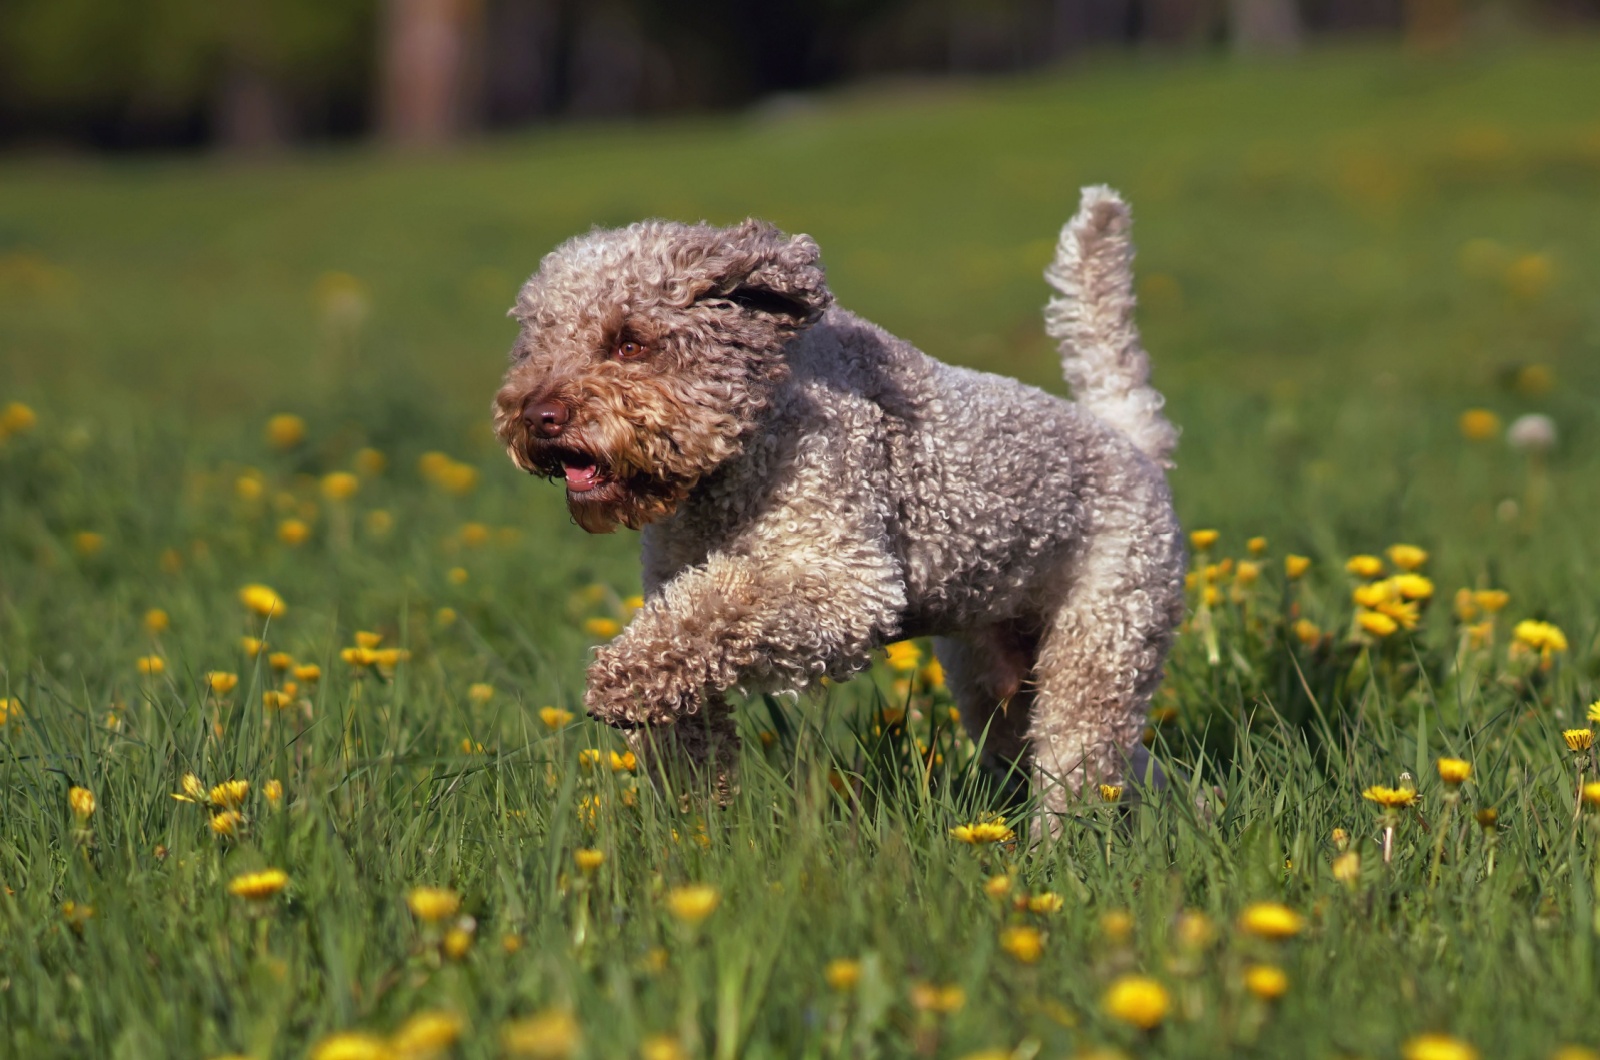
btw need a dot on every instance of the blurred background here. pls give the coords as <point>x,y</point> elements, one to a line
<point>258,75</point>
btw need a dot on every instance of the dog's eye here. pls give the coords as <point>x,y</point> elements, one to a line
<point>629,350</point>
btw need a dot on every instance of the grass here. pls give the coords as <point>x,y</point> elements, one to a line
<point>1339,257</point>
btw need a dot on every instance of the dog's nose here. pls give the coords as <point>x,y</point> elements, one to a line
<point>546,418</point>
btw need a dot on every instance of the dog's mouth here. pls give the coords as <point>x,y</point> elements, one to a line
<point>582,471</point>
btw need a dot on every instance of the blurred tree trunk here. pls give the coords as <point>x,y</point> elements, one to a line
<point>427,95</point>
<point>1264,27</point>
<point>1432,24</point>
<point>252,115</point>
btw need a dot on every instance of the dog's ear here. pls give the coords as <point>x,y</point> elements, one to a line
<point>763,271</point>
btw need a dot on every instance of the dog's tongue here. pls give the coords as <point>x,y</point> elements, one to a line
<point>581,478</point>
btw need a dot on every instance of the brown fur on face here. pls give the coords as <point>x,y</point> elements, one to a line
<point>712,308</point>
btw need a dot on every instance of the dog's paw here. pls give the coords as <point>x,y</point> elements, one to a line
<point>627,695</point>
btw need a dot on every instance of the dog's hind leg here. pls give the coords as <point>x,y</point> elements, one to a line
<point>1102,653</point>
<point>989,674</point>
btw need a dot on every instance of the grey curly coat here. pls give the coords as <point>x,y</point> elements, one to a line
<point>810,488</point>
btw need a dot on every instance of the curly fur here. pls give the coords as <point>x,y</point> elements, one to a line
<point>811,487</point>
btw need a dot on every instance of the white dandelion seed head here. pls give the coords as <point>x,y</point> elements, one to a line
<point>1534,432</point>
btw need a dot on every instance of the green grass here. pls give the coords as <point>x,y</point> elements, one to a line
<point>1338,258</point>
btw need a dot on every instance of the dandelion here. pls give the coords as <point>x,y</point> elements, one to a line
<point>252,646</point>
<point>1589,794</point>
<point>16,418</point>
<point>1346,867</point>
<point>627,762</point>
<point>1271,920</point>
<point>1026,944</point>
<point>1138,1000</point>
<point>156,621</point>
<point>427,1033</point>
<point>1542,637</point>
<point>1266,981</point>
<point>1045,902</point>
<point>903,656</point>
<point>1578,740</point>
<point>550,1035</point>
<point>1306,632</point>
<point>309,674</point>
<point>293,532</point>
<point>842,974</point>
<point>474,535</point>
<point>1390,798</point>
<point>942,1000</point>
<point>276,700</point>
<point>589,757</point>
<point>1117,925</point>
<point>693,903</point>
<point>481,692</point>
<point>285,431</point>
<point>87,543</point>
<point>997,887</point>
<point>1364,566</point>
<point>662,1047</point>
<point>76,915</point>
<point>272,791</point>
<point>352,1045</point>
<point>1594,711</point>
<point>370,462</point>
<point>263,601</point>
<point>220,683</point>
<point>227,824</point>
<point>1534,433</point>
<point>1247,573</point>
<point>1257,546</point>
<point>433,904</point>
<point>1479,425</point>
<point>258,886</point>
<point>378,522</point>
<point>980,832</point>
<point>554,718</point>
<point>151,665</point>
<point>588,860</point>
<point>10,710</point>
<point>1407,557</point>
<point>1295,567</point>
<point>1110,792</point>
<point>339,486</point>
<point>1454,771</point>
<point>1377,623</point>
<point>1488,818</point>
<point>1202,540</point>
<point>249,487</point>
<point>194,789</point>
<point>458,576</point>
<point>81,802</point>
<point>604,628</point>
<point>1412,586</point>
<point>1491,600</point>
<point>457,941</point>
<point>1437,1047</point>
<point>230,794</point>
<point>511,942</point>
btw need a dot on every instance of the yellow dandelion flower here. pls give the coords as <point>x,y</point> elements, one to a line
<point>589,757</point>
<point>1347,867</point>
<point>481,692</point>
<point>457,575</point>
<point>1578,740</point>
<point>427,1033</point>
<point>1407,557</point>
<point>1026,944</point>
<point>554,718</point>
<point>588,860</point>
<point>1045,902</point>
<point>276,699</point>
<point>81,802</point>
<point>258,886</point>
<point>1454,771</point>
<point>252,646</point>
<point>1138,1000</point>
<point>194,789</point>
<point>293,532</point>
<point>1295,567</point>
<point>150,665</point>
<point>457,941</point>
<point>1271,920</point>
<point>280,661</point>
<point>226,824</point>
<point>511,942</point>
<point>842,974</point>
<point>1247,573</point>
<point>604,628</point>
<point>263,601</point>
<point>1413,586</point>
<point>230,794</point>
<point>1110,792</point>
<point>378,522</point>
<point>627,762</point>
<point>1374,594</point>
<point>1364,566</point>
<point>903,656</point>
<point>997,886</point>
<point>1117,926</point>
<point>87,543</point>
<point>1540,636</point>
<point>352,1045</point>
<point>221,683</point>
<point>272,791</point>
<point>980,832</point>
<point>1377,623</point>
<point>309,674</point>
<point>1194,930</point>
<point>931,997</point>
<point>1479,425</point>
<point>550,1035</point>
<point>459,479</point>
<point>1202,540</point>
<point>156,621</point>
<point>249,487</point>
<point>76,915</point>
<point>474,535</point>
<point>1591,793</point>
<point>1437,1047</point>
<point>1487,818</point>
<point>370,462</point>
<point>662,1047</point>
<point>10,710</point>
<point>433,904</point>
<point>1390,798</point>
<point>1266,981</point>
<point>1594,711</point>
<point>340,485</point>
<point>933,674</point>
<point>285,430</point>
<point>693,903</point>
<point>16,418</point>
<point>1257,546</point>
<point>1491,600</point>
<point>1306,632</point>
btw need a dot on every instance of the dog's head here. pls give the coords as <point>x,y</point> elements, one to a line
<point>646,357</point>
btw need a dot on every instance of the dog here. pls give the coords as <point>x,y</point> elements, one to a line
<point>810,488</point>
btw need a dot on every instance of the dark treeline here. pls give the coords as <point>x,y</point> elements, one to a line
<point>256,74</point>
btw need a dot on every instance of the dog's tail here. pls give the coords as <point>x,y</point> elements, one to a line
<point>1092,322</point>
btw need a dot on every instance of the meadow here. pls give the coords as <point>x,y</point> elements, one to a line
<point>292,755</point>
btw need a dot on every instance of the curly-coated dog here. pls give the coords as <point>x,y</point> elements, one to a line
<point>811,487</point>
